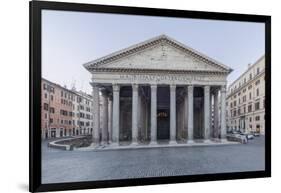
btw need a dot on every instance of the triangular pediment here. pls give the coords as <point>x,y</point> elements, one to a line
<point>160,53</point>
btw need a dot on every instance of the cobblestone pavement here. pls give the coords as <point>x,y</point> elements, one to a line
<point>73,166</point>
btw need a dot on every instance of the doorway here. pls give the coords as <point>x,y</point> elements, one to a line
<point>163,124</point>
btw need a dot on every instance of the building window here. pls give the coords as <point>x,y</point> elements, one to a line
<point>249,87</point>
<point>250,119</point>
<point>44,86</point>
<point>257,118</point>
<point>257,105</point>
<point>52,97</point>
<point>257,82</point>
<point>46,106</point>
<point>257,92</point>
<point>244,98</point>
<point>250,77</point>
<point>63,112</point>
<point>51,120</point>
<point>45,95</point>
<point>52,110</point>
<point>258,70</point>
<point>82,115</point>
<point>250,95</point>
<point>249,108</point>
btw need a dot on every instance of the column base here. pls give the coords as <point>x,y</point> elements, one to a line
<point>134,143</point>
<point>153,143</point>
<point>114,144</point>
<point>104,143</point>
<point>207,141</point>
<point>173,142</point>
<point>94,145</point>
<point>190,141</point>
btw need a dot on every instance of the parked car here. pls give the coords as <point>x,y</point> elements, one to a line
<point>237,137</point>
<point>256,134</point>
<point>248,135</point>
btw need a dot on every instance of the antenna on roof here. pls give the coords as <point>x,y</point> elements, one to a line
<point>82,85</point>
<point>64,85</point>
<point>73,85</point>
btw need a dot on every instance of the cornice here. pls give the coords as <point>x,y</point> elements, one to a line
<point>139,70</point>
<point>245,85</point>
<point>250,68</point>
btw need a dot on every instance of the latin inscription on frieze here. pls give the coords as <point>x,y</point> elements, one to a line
<point>159,78</point>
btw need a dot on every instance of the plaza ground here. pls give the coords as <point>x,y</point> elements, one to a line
<point>74,166</point>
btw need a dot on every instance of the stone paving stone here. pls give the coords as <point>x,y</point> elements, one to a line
<point>74,166</point>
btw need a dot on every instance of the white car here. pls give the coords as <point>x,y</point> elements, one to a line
<point>248,135</point>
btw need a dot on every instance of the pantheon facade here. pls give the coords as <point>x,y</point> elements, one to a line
<point>159,90</point>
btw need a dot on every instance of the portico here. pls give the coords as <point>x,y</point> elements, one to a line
<point>158,90</point>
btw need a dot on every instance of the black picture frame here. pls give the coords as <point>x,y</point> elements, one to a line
<point>36,7</point>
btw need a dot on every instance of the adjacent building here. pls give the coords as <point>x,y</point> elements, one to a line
<point>64,112</point>
<point>246,100</point>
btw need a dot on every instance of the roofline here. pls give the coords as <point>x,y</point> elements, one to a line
<point>160,37</point>
<point>259,59</point>
<point>69,90</point>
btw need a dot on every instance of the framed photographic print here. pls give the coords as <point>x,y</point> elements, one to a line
<point>126,96</point>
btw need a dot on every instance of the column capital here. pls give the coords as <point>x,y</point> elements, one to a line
<point>135,87</point>
<point>190,88</point>
<point>153,87</point>
<point>104,91</point>
<point>116,87</point>
<point>173,87</point>
<point>223,88</point>
<point>207,89</point>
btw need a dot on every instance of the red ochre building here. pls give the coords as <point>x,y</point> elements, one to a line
<point>64,112</point>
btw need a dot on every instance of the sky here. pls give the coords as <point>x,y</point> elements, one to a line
<point>70,39</point>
